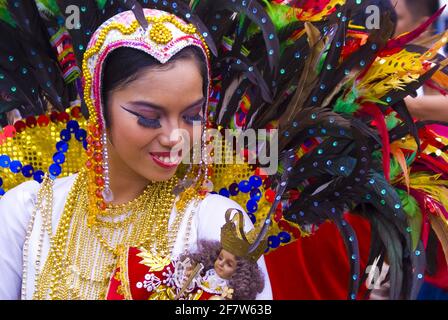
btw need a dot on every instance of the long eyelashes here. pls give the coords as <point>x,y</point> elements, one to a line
<point>155,123</point>
<point>191,119</point>
<point>145,122</point>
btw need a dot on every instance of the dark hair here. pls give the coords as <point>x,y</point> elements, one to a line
<point>247,280</point>
<point>125,65</point>
<point>422,8</point>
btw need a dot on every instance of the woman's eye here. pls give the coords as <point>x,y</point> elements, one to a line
<point>149,123</point>
<point>143,121</point>
<point>192,118</point>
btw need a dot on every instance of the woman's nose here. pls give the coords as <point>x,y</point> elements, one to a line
<point>171,135</point>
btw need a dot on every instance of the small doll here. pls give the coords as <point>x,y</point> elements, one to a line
<point>218,270</point>
<point>231,272</point>
<point>226,275</point>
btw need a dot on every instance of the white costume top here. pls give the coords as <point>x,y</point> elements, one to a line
<point>16,208</point>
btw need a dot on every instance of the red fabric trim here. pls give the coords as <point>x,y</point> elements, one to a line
<point>317,267</point>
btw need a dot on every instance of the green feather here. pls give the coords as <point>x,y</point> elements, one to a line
<point>5,15</point>
<point>50,7</point>
<point>395,169</point>
<point>280,15</point>
<point>377,155</point>
<point>392,121</point>
<point>101,4</point>
<point>194,4</point>
<point>414,216</point>
<point>347,104</point>
<point>321,63</point>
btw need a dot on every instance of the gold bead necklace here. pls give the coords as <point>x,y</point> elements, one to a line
<point>82,258</point>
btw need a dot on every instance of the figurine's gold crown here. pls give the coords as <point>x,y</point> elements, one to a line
<point>236,241</point>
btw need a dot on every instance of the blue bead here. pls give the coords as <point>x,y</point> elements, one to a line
<point>273,242</point>
<point>244,186</point>
<point>255,194</point>
<point>66,135</point>
<point>252,217</point>
<point>4,161</point>
<point>224,192</point>
<point>284,237</point>
<point>72,126</point>
<point>15,166</point>
<point>251,206</point>
<point>233,189</point>
<point>2,192</point>
<point>59,158</point>
<point>39,176</point>
<point>1,182</point>
<point>255,181</point>
<point>28,171</point>
<point>55,169</point>
<point>62,146</point>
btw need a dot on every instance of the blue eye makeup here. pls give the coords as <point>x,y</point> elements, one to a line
<point>145,122</point>
<point>191,119</point>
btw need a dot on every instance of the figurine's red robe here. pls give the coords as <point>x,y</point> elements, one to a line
<point>135,277</point>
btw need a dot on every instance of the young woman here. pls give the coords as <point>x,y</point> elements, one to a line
<point>63,239</point>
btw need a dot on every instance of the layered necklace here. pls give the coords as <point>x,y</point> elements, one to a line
<point>82,258</point>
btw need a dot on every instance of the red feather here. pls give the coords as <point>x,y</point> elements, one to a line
<point>379,121</point>
<point>406,38</point>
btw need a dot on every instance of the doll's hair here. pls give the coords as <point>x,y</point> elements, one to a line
<point>247,279</point>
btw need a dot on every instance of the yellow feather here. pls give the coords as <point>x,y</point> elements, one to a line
<point>399,155</point>
<point>431,185</point>
<point>390,73</point>
<point>440,78</point>
<point>431,53</point>
<point>440,226</point>
<point>309,16</point>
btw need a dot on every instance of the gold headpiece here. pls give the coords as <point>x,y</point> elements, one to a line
<point>236,241</point>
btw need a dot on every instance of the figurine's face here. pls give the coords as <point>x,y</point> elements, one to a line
<point>225,265</point>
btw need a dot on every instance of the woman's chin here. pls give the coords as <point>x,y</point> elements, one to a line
<point>160,176</point>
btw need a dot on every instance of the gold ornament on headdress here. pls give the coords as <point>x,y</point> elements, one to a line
<point>160,34</point>
<point>236,241</point>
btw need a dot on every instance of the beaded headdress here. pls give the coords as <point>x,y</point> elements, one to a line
<point>162,38</point>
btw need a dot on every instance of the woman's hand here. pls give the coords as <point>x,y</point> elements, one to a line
<point>428,107</point>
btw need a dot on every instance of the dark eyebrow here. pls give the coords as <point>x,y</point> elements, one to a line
<point>147,104</point>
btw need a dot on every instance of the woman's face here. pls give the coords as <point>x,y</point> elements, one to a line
<point>144,114</point>
<point>225,265</point>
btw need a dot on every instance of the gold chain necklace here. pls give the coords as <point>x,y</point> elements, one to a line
<point>81,258</point>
